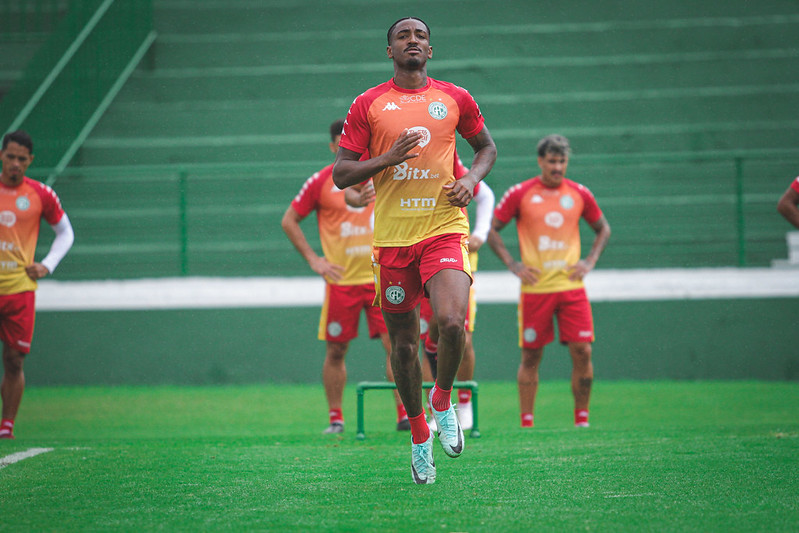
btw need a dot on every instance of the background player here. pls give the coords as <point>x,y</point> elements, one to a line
<point>23,203</point>
<point>788,206</point>
<point>408,126</point>
<point>484,201</point>
<point>548,209</point>
<point>346,236</point>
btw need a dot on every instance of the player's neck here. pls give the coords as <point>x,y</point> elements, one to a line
<point>410,79</point>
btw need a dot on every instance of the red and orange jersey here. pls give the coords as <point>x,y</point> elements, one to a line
<point>346,232</point>
<point>21,210</point>
<point>411,204</point>
<point>548,224</point>
<point>795,185</point>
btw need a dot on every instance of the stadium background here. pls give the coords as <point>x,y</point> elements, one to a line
<point>176,132</point>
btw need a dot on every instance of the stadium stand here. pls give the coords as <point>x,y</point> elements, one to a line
<point>681,116</point>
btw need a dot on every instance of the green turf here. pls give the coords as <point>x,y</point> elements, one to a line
<point>659,456</point>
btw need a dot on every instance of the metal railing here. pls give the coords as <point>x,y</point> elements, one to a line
<point>84,62</point>
<point>155,221</point>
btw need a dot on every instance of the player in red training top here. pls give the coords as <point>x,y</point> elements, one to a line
<point>23,203</point>
<point>346,236</point>
<point>547,210</point>
<point>408,125</point>
<point>788,206</point>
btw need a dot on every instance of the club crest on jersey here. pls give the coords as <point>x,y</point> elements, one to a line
<point>395,294</point>
<point>437,110</point>
<point>425,134</point>
<point>23,203</point>
<point>566,201</point>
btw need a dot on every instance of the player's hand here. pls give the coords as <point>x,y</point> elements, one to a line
<point>459,192</point>
<point>366,195</point>
<point>579,270</point>
<point>401,149</point>
<point>527,274</point>
<point>475,242</point>
<point>36,271</point>
<point>328,270</point>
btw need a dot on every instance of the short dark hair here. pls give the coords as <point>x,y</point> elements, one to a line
<point>388,35</point>
<point>336,128</point>
<point>554,144</point>
<point>20,137</point>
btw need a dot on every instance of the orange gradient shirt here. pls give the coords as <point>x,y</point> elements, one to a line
<point>345,232</point>
<point>411,204</point>
<point>548,224</point>
<point>21,209</point>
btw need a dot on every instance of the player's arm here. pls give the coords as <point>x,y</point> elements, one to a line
<point>460,192</point>
<point>349,170</point>
<point>484,200</point>
<point>320,265</point>
<point>788,206</point>
<point>581,268</point>
<point>64,237</point>
<point>526,273</point>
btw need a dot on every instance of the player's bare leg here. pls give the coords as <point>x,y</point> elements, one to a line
<point>449,299</point>
<point>334,379</point>
<point>527,379</point>
<point>11,388</point>
<point>582,380</point>
<point>402,416</point>
<point>403,331</point>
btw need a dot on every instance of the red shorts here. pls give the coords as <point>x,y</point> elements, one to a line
<point>426,314</point>
<point>341,312</point>
<point>401,272</point>
<point>17,315</point>
<point>575,321</point>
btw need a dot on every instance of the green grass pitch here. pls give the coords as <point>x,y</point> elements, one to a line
<point>659,456</point>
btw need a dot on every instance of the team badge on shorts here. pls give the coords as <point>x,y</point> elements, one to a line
<point>334,329</point>
<point>395,294</point>
<point>529,335</point>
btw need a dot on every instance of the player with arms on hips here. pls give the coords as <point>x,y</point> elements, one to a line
<point>547,210</point>
<point>788,205</point>
<point>346,236</point>
<point>408,125</point>
<point>23,203</point>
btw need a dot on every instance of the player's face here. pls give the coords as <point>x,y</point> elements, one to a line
<point>16,159</point>
<point>410,44</point>
<point>334,144</point>
<point>553,168</point>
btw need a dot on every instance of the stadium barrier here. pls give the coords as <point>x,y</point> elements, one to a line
<point>363,386</point>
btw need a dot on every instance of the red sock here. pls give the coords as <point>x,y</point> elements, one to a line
<point>464,395</point>
<point>581,416</point>
<point>336,416</point>
<point>401,413</point>
<point>527,420</point>
<point>441,398</point>
<point>430,346</point>
<point>420,431</point>
<point>7,427</point>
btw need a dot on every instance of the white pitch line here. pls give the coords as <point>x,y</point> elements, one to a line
<point>19,456</point>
